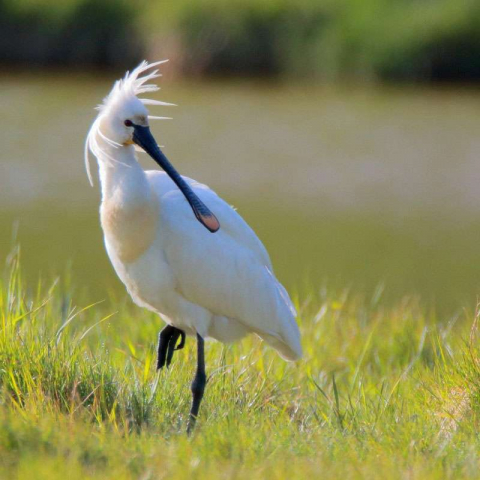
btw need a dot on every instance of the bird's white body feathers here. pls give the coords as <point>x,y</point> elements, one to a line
<point>219,285</point>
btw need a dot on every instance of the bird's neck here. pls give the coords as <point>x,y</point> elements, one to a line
<point>129,210</point>
<point>121,176</point>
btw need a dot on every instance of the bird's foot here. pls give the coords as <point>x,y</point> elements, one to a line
<point>166,345</point>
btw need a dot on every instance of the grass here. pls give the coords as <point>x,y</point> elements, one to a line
<point>381,393</point>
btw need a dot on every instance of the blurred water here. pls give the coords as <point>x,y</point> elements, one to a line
<point>348,187</point>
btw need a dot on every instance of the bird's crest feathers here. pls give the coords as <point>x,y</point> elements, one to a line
<point>134,84</point>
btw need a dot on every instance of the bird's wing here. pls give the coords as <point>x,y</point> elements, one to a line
<point>228,272</point>
<point>232,221</point>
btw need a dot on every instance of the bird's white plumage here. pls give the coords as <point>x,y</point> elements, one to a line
<point>220,285</point>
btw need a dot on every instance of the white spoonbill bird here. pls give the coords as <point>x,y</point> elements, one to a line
<point>181,250</point>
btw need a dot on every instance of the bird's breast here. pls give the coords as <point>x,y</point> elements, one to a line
<point>129,230</point>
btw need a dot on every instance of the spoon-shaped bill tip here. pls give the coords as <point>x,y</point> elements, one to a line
<point>209,221</point>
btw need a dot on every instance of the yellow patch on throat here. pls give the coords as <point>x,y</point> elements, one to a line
<point>130,231</point>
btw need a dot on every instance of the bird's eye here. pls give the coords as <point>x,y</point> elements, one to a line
<point>128,123</point>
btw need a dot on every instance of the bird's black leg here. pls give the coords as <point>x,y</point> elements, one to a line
<point>171,345</point>
<point>198,384</point>
<point>166,345</point>
<point>163,341</point>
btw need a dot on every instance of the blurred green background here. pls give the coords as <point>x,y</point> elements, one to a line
<point>365,40</point>
<point>345,132</point>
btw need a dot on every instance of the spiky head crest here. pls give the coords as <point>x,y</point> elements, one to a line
<point>132,85</point>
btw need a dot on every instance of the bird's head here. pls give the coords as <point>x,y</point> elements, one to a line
<point>123,121</point>
<point>118,124</point>
<point>122,111</point>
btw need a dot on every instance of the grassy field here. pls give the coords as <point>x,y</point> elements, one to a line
<point>381,393</point>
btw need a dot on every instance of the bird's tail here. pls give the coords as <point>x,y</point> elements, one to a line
<point>286,350</point>
<point>287,339</point>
